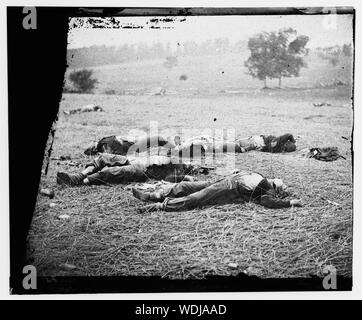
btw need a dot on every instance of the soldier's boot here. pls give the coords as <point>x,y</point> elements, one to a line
<point>70,179</point>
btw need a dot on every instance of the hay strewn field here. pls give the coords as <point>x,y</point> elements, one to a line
<point>104,234</point>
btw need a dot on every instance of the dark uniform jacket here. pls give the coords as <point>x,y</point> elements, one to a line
<point>256,188</point>
<point>118,145</point>
<point>277,144</point>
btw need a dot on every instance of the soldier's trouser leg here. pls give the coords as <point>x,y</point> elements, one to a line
<point>107,160</point>
<point>174,191</point>
<point>184,188</point>
<point>113,175</point>
<point>223,147</point>
<point>209,195</point>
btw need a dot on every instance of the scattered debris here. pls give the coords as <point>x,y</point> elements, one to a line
<point>64,216</point>
<point>87,108</point>
<point>335,236</point>
<point>330,202</point>
<point>73,164</point>
<point>322,104</point>
<point>233,265</point>
<point>251,271</point>
<point>324,154</point>
<point>161,93</point>
<point>62,158</point>
<point>313,116</point>
<point>334,203</point>
<point>67,266</point>
<point>47,192</point>
<point>338,82</point>
<point>52,205</point>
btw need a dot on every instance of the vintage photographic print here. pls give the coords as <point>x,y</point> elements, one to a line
<point>194,146</point>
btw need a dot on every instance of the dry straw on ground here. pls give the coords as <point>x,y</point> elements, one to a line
<point>106,236</point>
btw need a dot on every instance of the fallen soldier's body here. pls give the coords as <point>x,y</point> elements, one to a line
<point>118,145</point>
<point>208,144</point>
<point>192,147</point>
<point>273,144</point>
<point>114,169</point>
<point>87,108</point>
<point>204,144</point>
<point>242,186</point>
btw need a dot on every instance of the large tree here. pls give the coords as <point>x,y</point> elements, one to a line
<point>276,55</point>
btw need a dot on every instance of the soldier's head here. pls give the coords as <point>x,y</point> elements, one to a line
<point>279,187</point>
<point>289,146</point>
<point>92,149</point>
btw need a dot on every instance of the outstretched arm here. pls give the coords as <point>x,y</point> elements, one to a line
<point>269,201</point>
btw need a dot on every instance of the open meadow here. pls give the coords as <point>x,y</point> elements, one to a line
<point>104,234</point>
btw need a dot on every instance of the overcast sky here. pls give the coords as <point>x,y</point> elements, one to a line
<point>322,30</point>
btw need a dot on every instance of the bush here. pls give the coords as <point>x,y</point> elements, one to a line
<point>110,92</point>
<point>83,81</point>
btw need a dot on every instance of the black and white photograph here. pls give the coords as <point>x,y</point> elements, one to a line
<point>191,146</point>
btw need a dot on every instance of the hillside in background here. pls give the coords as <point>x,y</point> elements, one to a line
<point>105,55</point>
<point>209,74</point>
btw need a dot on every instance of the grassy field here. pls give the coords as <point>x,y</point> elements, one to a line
<point>104,234</point>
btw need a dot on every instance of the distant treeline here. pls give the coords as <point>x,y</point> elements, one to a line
<point>103,55</point>
<point>335,53</point>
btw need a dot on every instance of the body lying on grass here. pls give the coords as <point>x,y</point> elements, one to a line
<point>118,145</point>
<point>87,108</point>
<point>193,146</point>
<point>208,144</point>
<point>112,169</point>
<point>245,186</point>
<point>273,144</point>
